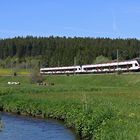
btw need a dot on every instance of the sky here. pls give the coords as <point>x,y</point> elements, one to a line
<point>70,18</point>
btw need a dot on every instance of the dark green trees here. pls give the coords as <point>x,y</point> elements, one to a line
<point>61,51</point>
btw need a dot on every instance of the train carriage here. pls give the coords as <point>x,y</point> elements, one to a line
<point>61,70</point>
<point>124,66</point>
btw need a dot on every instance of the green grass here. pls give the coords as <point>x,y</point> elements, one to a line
<point>4,72</point>
<point>101,107</point>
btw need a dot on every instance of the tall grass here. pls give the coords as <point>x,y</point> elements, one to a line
<point>102,107</point>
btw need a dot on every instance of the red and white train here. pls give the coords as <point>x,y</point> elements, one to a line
<point>124,66</point>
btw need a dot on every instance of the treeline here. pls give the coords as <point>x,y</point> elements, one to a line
<point>62,51</point>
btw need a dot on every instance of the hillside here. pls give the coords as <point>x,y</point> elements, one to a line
<point>61,51</point>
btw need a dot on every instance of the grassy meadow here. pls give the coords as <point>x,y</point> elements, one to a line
<point>99,107</point>
<point>5,72</point>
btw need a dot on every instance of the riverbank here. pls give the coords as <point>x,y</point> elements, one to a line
<point>96,106</point>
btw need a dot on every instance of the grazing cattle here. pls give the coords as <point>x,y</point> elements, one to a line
<point>43,84</point>
<point>13,83</point>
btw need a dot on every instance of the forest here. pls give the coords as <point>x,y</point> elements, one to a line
<point>64,51</point>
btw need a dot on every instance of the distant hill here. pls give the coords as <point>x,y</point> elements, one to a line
<point>62,51</point>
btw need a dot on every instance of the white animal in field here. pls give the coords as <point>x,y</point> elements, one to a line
<point>13,83</point>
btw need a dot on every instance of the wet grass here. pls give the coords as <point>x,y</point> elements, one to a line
<point>102,107</point>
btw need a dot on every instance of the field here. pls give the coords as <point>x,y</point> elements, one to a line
<point>4,72</point>
<point>100,107</point>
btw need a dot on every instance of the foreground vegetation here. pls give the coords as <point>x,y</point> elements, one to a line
<point>101,107</point>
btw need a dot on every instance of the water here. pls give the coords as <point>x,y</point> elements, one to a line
<point>23,128</point>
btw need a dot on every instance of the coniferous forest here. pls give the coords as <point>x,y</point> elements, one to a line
<point>64,51</point>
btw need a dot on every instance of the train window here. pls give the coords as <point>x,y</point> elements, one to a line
<point>44,70</point>
<point>122,66</point>
<point>107,67</point>
<point>136,64</point>
<point>113,67</point>
<point>91,68</point>
<point>129,65</point>
<point>71,69</point>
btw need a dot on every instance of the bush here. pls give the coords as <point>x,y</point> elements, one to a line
<point>36,77</point>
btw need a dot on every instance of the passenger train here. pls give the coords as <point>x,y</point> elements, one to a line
<point>124,66</point>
